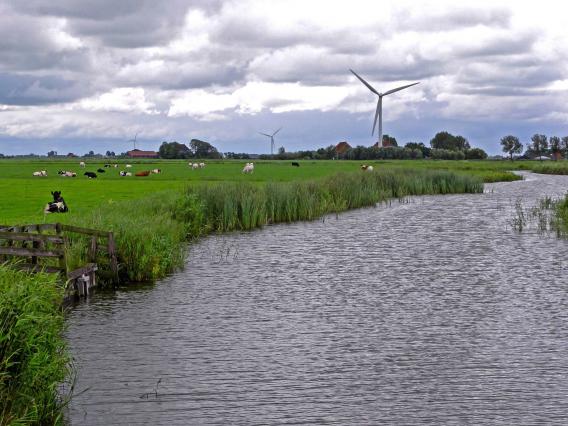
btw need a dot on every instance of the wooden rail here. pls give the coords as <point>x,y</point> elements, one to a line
<point>19,238</point>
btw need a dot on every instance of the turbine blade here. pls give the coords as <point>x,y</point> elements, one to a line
<point>273,134</point>
<point>371,88</point>
<point>399,88</point>
<point>376,116</point>
<point>265,134</point>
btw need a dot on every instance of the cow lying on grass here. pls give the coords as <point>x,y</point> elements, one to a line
<point>42,173</point>
<point>143,173</point>
<point>57,205</point>
<point>123,173</point>
<point>366,168</point>
<point>65,173</point>
<point>90,175</point>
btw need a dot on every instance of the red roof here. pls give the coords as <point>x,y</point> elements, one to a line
<point>142,154</point>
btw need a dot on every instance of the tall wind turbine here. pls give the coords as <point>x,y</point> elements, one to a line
<point>134,140</point>
<point>271,139</point>
<point>379,111</point>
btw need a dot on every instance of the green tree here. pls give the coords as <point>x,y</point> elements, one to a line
<point>171,150</point>
<point>510,144</point>
<point>281,150</point>
<point>445,140</point>
<point>539,145</point>
<point>202,149</point>
<point>419,146</point>
<point>52,154</point>
<point>564,146</point>
<point>555,147</point>
<point>475,154</point>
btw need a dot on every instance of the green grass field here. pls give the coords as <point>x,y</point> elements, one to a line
<point>28,195</point>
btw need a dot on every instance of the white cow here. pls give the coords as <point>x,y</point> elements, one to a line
<point>201,165</point>
<point>82,164</point>
<point>128,166</point>
<point>249,168</point>
<point>194,166</point>
<point>42,173</point>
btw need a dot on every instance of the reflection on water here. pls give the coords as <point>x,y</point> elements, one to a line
<point>432,311</point>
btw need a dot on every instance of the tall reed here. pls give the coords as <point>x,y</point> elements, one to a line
<point>33,355</point>
<point>150,232</point>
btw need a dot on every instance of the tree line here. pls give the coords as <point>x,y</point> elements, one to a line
<point>539,145</point>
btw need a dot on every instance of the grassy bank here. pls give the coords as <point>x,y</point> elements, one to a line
<point>33,357</point>
<point>150,232</point>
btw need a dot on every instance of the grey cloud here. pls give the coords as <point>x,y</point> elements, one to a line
<point>31,90</point>
<point>434,20</point>
<point>125,23</point>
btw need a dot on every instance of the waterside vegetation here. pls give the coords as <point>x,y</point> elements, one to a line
<point>33,357</point>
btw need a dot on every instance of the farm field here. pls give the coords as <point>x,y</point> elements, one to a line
<point>29,194</point>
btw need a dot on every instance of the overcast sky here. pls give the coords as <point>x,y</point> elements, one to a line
<point>76,75</point>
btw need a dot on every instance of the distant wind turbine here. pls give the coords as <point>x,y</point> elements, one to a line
<point>134,140</point>
<point>271,139</point>
<point>379,111</point>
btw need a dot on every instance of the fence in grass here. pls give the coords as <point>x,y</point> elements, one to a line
<point>43,247</point>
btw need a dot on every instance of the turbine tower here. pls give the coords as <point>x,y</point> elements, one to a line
<point>271,139</point>
<point>379,111</point>
<point>134,140</point>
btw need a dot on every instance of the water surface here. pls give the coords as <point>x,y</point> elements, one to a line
<point>431,311</point>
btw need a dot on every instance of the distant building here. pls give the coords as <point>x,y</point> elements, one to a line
<point>342,148</point>
<point>136,153</point>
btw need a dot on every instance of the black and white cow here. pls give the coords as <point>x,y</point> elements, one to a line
<point>57,205</point>
<point>90,175</point>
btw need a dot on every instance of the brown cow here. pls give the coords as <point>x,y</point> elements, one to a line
<point>144,173</point>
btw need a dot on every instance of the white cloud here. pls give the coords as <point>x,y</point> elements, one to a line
<point>123,99</point>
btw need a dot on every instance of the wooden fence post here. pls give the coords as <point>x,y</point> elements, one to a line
<point>112,257</point>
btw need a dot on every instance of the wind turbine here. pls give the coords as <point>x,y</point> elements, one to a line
<point>379,111</point>
<point>134,140</point>
<point>271,139</point>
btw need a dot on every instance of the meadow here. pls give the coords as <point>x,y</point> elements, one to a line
<point>28,194</point>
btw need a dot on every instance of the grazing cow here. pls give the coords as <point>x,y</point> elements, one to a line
<point>57,205</point>
<point>201,165</point>
<point>90,175</point>
<point>190,164</point>
<point>295,164</point>
<point>194,166</point>
<point>82,164</point>
<point>101,171</point>
<point>143,173</point>
<point>115,166</point>
<point>128,166</point>
<point>107,165</point>
<point>42,173</point>
<point>249,168</point>
<point>157,171</point>
<point>366,168</point>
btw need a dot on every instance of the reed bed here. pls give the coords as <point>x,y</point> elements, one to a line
<point>33,355</point>
<point>548,215</point>
<point>150,233</point>
<point>554,168</point>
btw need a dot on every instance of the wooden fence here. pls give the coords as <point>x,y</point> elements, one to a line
<point>32,243</point>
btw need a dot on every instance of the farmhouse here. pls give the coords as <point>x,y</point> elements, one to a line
<point>136,153</point>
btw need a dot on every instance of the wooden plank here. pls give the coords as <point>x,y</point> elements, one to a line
<point>87,269</point>
<point>28,252</point>
<point>38,268</point>
<point>39,227</point>
<point>93,249</point>
<point>25,236</point>
<point>86,231</point>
